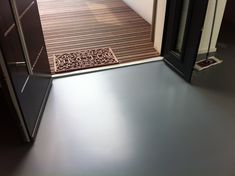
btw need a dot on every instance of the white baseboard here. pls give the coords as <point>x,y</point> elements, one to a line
<point>204,51</point>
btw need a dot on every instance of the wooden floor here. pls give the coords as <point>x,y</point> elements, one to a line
<point>70,25</point>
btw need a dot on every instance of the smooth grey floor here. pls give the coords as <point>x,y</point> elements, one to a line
<point>133,121</point>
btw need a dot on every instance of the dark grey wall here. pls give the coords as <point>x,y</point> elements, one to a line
<point>229,15</point>
<point>1,78</point>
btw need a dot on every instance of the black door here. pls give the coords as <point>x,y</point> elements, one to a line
<point>182,34</point>
<point>24,60</point>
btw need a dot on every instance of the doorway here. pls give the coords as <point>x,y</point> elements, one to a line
<point>219,77</point>
<point>74,25</point>
<point>23,51</point>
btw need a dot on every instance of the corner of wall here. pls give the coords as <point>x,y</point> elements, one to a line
<point>160,21</point>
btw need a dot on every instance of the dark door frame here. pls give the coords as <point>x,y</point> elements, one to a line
<point>15,102</point>
<point>183,63</point>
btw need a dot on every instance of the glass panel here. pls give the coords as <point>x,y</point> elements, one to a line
<point>30,89</point>
<point>11,47</point>
<point>33,38</point>
<point>216,36</point>
<point>15,59</point>
<point>182,25</point>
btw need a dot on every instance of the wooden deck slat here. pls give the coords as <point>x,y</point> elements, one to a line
<point>81,35</point>
<point>74,41</point>
<point>71,25</point>
<point>99,44</point>
<point>78,31</point>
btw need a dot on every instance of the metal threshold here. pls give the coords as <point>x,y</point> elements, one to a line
<point>79,72</point>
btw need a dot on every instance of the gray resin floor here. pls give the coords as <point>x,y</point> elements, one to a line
<point>114,123</point>
<point>135,121</point>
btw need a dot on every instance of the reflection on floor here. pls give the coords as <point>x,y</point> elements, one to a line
<point>83,24</point>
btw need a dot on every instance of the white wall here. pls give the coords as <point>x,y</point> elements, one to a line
<point>208,25</point>
<point>143,7</point>
<point>160,19</point>
<point>159,28</point>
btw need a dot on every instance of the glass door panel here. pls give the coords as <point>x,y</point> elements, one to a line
<point>183,28</point>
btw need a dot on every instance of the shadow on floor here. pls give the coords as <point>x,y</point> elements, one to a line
<point>12,148</point>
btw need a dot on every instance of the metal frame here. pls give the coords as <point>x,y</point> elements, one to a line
<point>183,63</point>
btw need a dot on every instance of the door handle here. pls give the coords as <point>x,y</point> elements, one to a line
<point>18,64</point>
